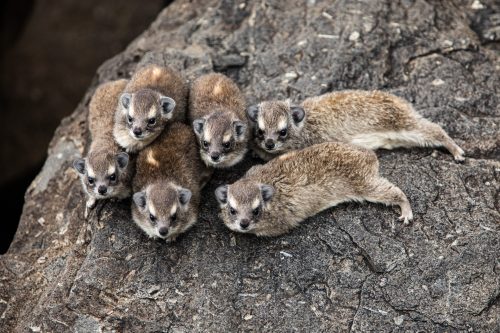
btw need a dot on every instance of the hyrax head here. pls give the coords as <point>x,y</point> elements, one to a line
<point>162,210</point>
<point>145,113</point>
<point>222,138</point>
<point>243,204</point>
<point>101,171</point>
<point>275,123</point>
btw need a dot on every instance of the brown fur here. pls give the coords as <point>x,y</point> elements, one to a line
<point>304,183</point>
<point>145,93</point>
<point>104,151</point>
<point>169,164</point>
<point>217,111</point>
<point>369,119</point>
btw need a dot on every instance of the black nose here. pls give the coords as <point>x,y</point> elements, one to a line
<point>215,156</point>
<point>163,231</point>
<point>102,189</point>
<point>244,224</point>
<point>137,131</point>
<point>270,144</point>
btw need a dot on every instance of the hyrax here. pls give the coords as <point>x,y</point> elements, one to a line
<point>167,184</point>
<point>217,112</point>
<point>154,97</point>
<point>275,197</point>
<point>105,172</point>
<point>369,119</point>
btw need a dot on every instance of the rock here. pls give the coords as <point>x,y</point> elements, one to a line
<point>353,267</point>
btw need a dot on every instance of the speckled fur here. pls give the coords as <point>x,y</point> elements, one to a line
<point>165,167</point>
<point>369,119</point>
<point>305,182</point>
<point>218,102</point>
<point>101,160</point>
<point>146,89</point>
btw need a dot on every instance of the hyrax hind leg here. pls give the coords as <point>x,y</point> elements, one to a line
<point>434,136</point>
<point>383,191</point>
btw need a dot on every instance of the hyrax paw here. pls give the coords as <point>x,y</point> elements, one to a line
<point>459,158</point>
<point>406,218</point>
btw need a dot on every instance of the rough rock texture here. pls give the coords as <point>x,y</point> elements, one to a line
<point>353,267</point>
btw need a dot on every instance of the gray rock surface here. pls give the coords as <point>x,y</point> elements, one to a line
<point>353,267</point>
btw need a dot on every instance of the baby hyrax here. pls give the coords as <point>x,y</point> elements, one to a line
<point>154,97</point>
<point>217,112</point>
<point>105,172</point>
<point>275,197</point>
<point>369,119</point>
<point>167,184</point>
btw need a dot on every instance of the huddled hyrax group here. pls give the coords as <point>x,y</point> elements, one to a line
<point>158,140</point>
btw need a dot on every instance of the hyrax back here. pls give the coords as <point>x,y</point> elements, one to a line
<point>275,197</point>
<point>217,112</point>
<point>154,97</point>
<point>105,172</point>
<point>369,119</point>
<point>167,184</point>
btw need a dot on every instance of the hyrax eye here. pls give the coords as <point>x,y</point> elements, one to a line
<point>205,143</point>
<point>112,177</point>
<point>256,211</point>
<point>91,180</point>
<point>232,211</point>
<point>226,145</point>
<point>283,132</point>
<point>173,217</point>
<point>260,132</point>
<point>151,121</point>
<point>129,119</point>
<point>152,218</point>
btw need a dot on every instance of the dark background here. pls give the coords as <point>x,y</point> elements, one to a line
<point>49,53</point>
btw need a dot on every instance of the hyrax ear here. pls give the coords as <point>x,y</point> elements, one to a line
<point>198,125</point>
<point>122,160</point>
<point>79,165</point>
<point>140,199</point>
<point>239,128</point>
<point>125,100</point>
<point>221,194</point>
<point>184,196</point>
<point>253,112</point>
<point>298,114</point>
<point>267,192</point>
<point>167,104</point>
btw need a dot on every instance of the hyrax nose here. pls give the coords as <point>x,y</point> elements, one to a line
<point>102,189</point>
<point>269,144</point>
<point>137,131</point>
<point>163,231</point>
<point>215,156</point>
<point>244,223</point>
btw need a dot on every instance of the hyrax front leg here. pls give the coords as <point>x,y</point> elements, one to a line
<point>383,191</point>
<point>434,136</point>
<point>90,204</point>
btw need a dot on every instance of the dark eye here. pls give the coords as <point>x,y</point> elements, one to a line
<point>112,177</point>
<point>91,180</point>
<point>173,217</point>
<point>260,132</point>
<point>226,145</point>
<point>232,211</point>
<point>283,132</point>
<point>152,121</point>
<point>256,211</point>
<point>129,119</point>
<point>152,218</point>
<point>205,144</point>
